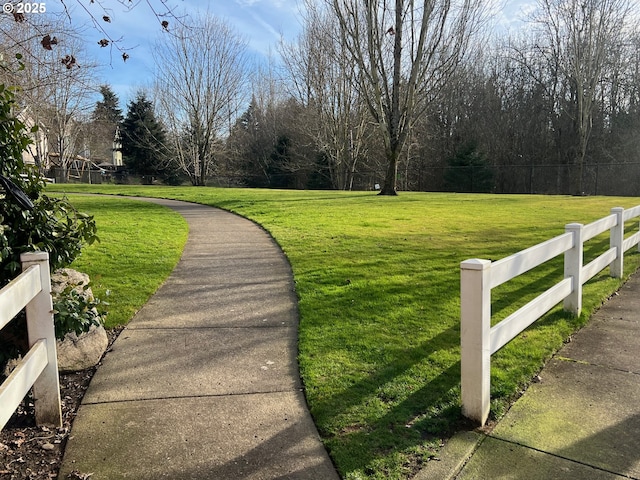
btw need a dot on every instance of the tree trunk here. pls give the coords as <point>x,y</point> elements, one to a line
<point>578,180</point>
<point>389,186</point>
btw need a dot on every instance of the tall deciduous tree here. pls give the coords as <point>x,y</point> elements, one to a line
<point>404,51</point>
<point>323,79</point>
<point>200,82</point>
<point>578,36</point>
<point>56,86</point>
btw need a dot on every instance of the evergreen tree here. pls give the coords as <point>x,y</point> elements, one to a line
<point>279,174</point>
<point>468,171</point>
<point>251,145</point>
<point>107,110</point>
<point>105,118</point>
<point>144,141</point>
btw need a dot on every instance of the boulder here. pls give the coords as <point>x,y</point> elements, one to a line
<point>79,352</point>
<point>64,277</point>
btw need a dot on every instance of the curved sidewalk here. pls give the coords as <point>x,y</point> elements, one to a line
<point>203,383</point>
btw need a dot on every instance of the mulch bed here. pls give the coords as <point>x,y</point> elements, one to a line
<point>29,452</point>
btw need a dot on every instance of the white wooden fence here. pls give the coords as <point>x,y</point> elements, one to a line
<point>478,277</point>
<point>39,368</point>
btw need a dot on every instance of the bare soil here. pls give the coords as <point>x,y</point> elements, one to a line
<point>29,452</point>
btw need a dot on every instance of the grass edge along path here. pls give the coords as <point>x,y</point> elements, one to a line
<point>140,244</point>
<point>378,285</point>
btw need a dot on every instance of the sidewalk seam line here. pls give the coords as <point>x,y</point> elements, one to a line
<point>591,364</point>
<point>562,457</point>
<point>257,327</point>
<point>181,397</point>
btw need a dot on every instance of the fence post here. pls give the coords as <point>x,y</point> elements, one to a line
<point>615,241</point>
<point>46,389</point>
<point>573,268</point>
<point>475,341</point>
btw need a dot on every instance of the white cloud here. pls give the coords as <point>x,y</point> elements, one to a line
<point>265,25</point>
<point>264,22</point>
<point>510,14</point>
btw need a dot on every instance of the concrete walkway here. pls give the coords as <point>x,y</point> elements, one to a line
<point>581,421</point>
<point>204,383</point>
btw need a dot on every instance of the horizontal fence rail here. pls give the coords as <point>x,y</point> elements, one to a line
<point>38,370</point>
<point>478,340</point>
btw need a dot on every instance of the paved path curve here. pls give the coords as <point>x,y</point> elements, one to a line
<point>203,383</point>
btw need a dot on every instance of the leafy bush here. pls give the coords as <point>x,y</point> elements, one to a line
<point>53,225</point>
<point>76,311</point>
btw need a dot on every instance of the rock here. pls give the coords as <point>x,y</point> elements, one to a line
<point>64,277</point>
<point>79,352</point>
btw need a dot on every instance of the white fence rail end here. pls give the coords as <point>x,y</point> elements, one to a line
<point>38,370</point>
<point>478,340</point>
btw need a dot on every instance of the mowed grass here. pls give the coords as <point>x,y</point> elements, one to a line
<point>140,244</point>
<point>378,286</point>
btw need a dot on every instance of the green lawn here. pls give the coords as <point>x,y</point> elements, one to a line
<point>378,286</point>
<point>140,244</point>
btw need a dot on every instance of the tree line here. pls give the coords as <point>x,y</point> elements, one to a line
<point>381,94</point>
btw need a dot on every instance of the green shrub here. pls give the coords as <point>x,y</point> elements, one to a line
<point>76,311</point>
<point>52,225</point>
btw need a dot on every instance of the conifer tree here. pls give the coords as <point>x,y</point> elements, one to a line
<point>144,140</point>
<point>105,118</point>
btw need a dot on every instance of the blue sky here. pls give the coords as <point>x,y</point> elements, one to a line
<point>262,22</point>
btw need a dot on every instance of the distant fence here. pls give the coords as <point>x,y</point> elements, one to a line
<point>39,367</point>
<point>619,179</point>
<point>478,277</point>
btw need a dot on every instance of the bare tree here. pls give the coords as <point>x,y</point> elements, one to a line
<point>323,79</point>
<point>100,13</point>
<point>200,83</point>
<point>578,36</point>
<point>55,87</point>
<point>403,52</point>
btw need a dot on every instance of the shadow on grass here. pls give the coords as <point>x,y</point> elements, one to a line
<point>407,421</point>
<point>508,299</point>
<point>404,422</point>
